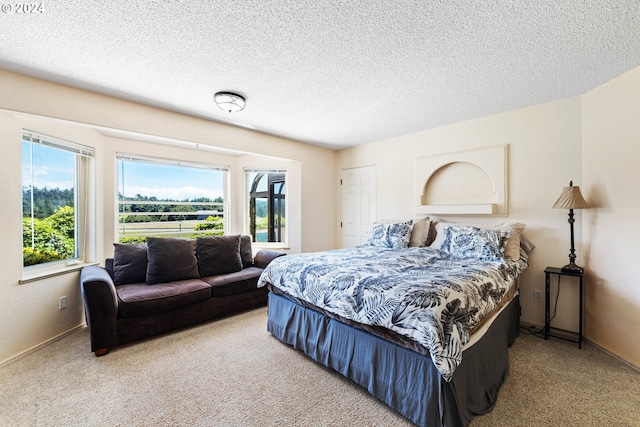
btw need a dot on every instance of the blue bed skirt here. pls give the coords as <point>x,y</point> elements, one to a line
<point>403,379</point>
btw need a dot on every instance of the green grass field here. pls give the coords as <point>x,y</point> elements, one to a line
<point>185,229</point>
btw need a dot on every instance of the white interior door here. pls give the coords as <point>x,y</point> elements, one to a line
<point>358,204</point>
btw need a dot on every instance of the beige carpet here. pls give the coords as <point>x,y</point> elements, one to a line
<point>232,372</point>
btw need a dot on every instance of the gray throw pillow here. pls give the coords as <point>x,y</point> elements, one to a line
<point>171,259</point>
<point>219,255</point>
<point>129,263</point>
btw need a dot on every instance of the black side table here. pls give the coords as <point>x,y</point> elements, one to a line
<point>547,320</point>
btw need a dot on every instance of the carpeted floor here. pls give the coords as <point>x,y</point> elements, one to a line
<point>232,372</point>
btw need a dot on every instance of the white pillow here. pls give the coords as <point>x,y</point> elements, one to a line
<point>439,227</point>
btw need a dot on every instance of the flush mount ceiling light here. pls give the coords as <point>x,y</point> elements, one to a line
<point>229,101</point>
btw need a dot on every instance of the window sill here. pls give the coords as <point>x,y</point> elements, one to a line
<point>42,275</point>
<point>257,246</point>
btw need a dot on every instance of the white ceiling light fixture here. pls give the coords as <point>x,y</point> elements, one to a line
<point>229,101</point>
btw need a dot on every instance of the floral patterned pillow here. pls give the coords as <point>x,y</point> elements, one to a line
<point>394,236</point>
<point>473,242</point>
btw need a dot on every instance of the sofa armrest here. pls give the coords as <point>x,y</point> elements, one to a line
<point>265,256</point>
<point>100,307</point>
<point>108,265</point>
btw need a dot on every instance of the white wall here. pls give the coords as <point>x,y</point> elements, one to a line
<point>30,315</point>
<point>544,154</point>
<point>30,312</point>
<point>611,152</point>
<point>594,140</point>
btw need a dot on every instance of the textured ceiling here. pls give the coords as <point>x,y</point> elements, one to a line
<point>331,73</point>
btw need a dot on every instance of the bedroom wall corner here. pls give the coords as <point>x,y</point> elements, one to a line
<point>544,155</point>
<point>611,149</point>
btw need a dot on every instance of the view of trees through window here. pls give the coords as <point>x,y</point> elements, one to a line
<point>48,202</point>
<point>163,198</point>
<point>156,197</point>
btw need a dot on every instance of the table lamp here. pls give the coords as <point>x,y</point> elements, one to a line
<point>571,199</point>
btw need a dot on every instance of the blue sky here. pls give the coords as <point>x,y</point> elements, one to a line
<point>170,182</point>
<point>53,168</point>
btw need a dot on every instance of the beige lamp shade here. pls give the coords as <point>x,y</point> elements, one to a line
<point>571,198</point>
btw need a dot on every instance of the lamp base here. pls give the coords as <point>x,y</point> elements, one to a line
<point>572,268</point>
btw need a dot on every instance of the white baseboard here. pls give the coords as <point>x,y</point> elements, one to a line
<point>615,356</point>
<point>39,346</point>
<point>525,324</point>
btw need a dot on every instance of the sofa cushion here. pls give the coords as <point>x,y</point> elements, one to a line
<point>244,280</point>
<point>171,259</point>
<point>129,263</point>
<point>245,251</point>
<point>139,299</point>
<point>218,255</point>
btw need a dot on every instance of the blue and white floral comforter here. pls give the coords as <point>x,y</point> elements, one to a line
<point>419,293</point>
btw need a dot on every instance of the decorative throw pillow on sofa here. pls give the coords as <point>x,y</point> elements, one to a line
<point>245,251</point>
<point>129,263</point>
<point>219,255</point>
<point>171,259</point>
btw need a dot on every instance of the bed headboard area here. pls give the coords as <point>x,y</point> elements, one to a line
<point>471,182</point>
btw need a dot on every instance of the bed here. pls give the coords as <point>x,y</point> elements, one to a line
<point>424,329</point>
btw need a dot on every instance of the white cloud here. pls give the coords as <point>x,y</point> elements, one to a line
<point>49,177</point>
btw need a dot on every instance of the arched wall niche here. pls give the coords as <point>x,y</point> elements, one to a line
<point>445,188</point>
<point>465,182</point>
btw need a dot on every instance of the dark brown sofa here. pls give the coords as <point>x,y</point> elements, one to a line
<point>167,284</point>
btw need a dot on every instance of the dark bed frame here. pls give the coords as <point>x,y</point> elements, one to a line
<point>403,379</point>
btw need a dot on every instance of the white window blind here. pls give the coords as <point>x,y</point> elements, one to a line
<point>53,142</point>
<point>170,162</point>
<point>56,203</point>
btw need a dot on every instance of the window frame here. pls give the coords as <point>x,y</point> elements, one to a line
<point>226,209</point>
<point>284,243</point>
<point>84,206</point>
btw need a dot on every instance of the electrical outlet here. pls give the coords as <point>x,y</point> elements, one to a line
<point>537,295</point>
<point>62,303</point>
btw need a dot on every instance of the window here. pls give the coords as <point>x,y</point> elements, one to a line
<point>54,200</point>
<point>168,198</point>
<point>267,205</point>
